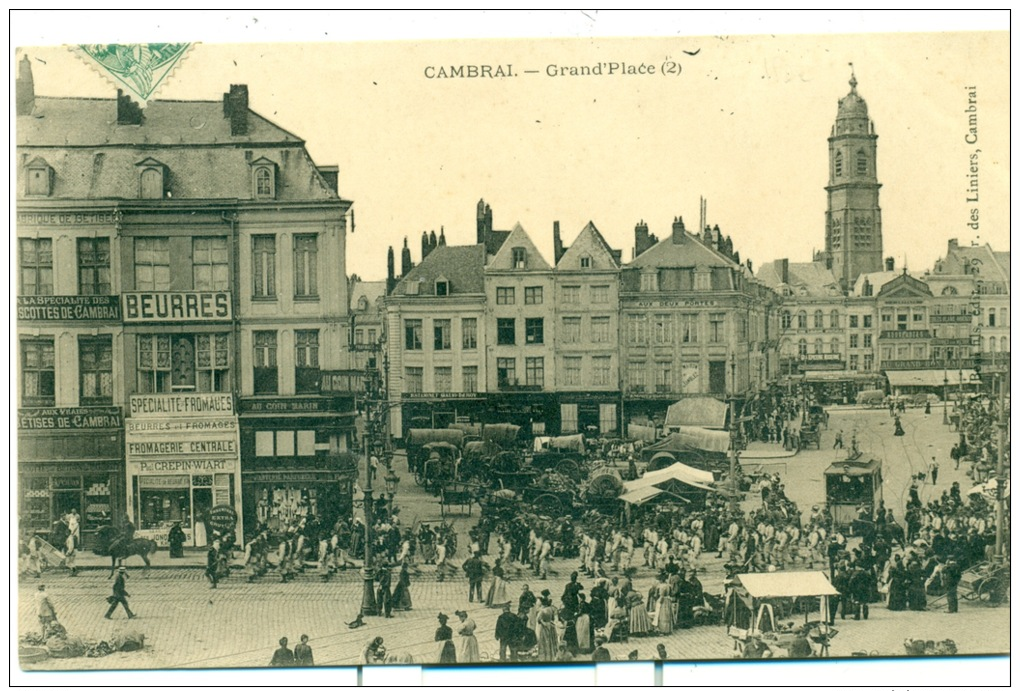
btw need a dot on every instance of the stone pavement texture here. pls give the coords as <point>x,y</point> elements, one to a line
<point>189,625</point>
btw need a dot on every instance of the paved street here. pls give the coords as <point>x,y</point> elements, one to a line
<point>189,625</point>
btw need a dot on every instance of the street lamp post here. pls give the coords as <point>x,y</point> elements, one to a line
<point>945,398</point>
<point>368,603</point>
<point>733,434</point>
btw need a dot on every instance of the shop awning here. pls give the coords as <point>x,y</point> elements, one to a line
<point>641,495</point>
<point>931,377</point>
<point>787,584</point>
<point>837,375</point>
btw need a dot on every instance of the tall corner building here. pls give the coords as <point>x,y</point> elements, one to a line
<point>181,296</point>
<point>853,219</point>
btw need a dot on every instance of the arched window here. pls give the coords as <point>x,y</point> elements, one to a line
<point>802,320</point>
<point>819,346</point>
<point>991,344</point>
<point>1004,344</point>
<point>785,319</point>
<point>862,162</point>
<point>834,346</point>
<point>152,183</point>
<point>1003,316</point>
<point>819,319</point>
<point>838,163</point>
<point>786,347</point>
<point>949,290</point>
<point>834,319</point>
<point>802,347</point>
<point>264,183</point>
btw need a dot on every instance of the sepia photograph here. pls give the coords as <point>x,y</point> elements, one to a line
<point>504,352</point>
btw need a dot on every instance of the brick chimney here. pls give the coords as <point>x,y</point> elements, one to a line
<point>679,232</point>
<point>783,269</point>
<point>425,247</point>
<point>642,240</point>
<point>235,108</point>
<point>128,112</point>
<point>483,221</point>
<point>391,279</point>
<point>557,243</point>
<point>405,259</point>
<point>24,88</point>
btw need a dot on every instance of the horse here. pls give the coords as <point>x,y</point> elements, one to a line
<point>120,548</point>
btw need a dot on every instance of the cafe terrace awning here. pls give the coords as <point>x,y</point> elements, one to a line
<point>786,584</point>
<point>931,377</point>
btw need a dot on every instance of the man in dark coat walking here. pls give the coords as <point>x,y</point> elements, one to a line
<point>507,625</point>
<point>211,565</point>
<point>385,597</point>
<point>951,580</point>
<point>120,595</point>
<point>475,570</point>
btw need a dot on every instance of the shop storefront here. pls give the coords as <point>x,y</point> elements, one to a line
<point>440,410</point>
<point>183,460</point>
<point>296,462</point>
<point>589,413</point>
<point>70,459</point>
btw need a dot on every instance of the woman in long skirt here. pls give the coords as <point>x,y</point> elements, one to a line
<point>664,617</point>
<point>497,596</point>
<point>583,624</point>
<point>447,653</point>
<point>639,622</point>
<point>402,593</point>
<point>547,643</point>
<point>468,649</point>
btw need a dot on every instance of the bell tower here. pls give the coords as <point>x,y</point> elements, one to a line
<point>853,221</point>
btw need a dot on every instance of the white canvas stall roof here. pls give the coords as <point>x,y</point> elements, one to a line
<point>641,495</point>
<point>930,377</point>
<point>699,411</point>
<point>677,471</point>
<point>786,584</point>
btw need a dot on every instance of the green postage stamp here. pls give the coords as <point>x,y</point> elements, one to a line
<point>139,68</point>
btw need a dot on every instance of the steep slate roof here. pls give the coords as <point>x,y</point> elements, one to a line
<point>877,280</point>
<point>689,253</point>
<point>589,239</point>
<point>95,158</point>
<point>503,261</point>
<point>813,277</point>
<point>494,239</point>
<point>370,290</point>
<point>93,122</point>
<point>462,266</point>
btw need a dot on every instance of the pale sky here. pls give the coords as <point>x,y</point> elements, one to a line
<point>744,124</point>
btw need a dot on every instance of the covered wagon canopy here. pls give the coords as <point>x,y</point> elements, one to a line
<point>697,411</point>
<point>419,437</point>
<point>500,433</point>
<point>571,442</point>
<point>786,584</point>
<point>641,495</point>
<point>705,439</point>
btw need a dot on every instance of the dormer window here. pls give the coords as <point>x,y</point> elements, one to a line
<point>520,258</point>
<point>363,304</point>
<point>412,287</point>
<point>585,262</point>
<point>442,287</point>
<point>152,179</point>
<point>649,281</point>
<point>39,178</point>
<point>263,178</point>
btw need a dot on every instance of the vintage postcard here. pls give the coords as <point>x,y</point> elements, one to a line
<point>511,352</point>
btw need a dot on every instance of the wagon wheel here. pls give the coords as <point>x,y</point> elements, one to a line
<point>570,468</point>
<point>991,591</point>
<point>419,478</point>
<point>548,504</point>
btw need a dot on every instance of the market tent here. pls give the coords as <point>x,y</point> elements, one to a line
<point>697,411</point>
<point>786,584</point>
<point>641,495</point>
<point>930,377</point>
<point>679,472</point>
<point>989,488</point>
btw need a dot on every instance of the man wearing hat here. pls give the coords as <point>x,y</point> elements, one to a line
<point>120,595</point>
<point>507,625</point>
<point>600,654</point>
